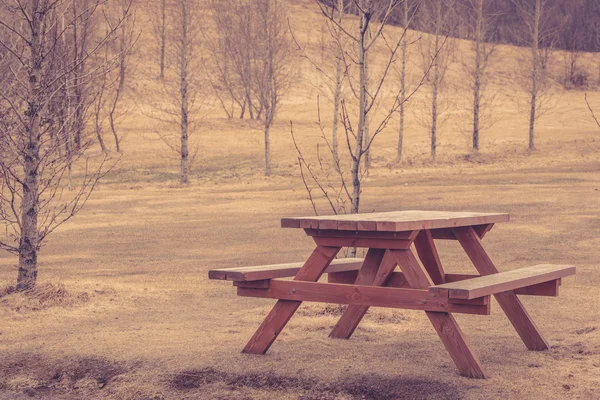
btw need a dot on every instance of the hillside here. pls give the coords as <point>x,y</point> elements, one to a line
<point>124,308</point>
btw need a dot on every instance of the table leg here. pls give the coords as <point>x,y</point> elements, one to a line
<point>444,323</point>
<point>510,303</point>
<point>428,255</point>
<point>283,310</point>
<point>376,268</point>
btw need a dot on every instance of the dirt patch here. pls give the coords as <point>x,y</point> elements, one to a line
<point>41,297</point>
<point>39,377</point>
<point>312,310</point>
<point>372,386</point>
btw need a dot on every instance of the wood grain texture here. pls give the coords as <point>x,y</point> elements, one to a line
<point>283,310</point>
<point>503,281</point>
<point>363,243</point>
<point>444,323</point>
<point>395,221</point>
<point>375,276</point>
<point>411,299</point>
<point>261,272</point>
<point>429,257</point>
<point>509,302</point>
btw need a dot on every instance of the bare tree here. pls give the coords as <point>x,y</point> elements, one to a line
<point>158,12</point>
<point>176,108</point>
<point>231,47</point>
<point>272,64</point>
<point>342,191</point>
<point>535,17</point>
<point>332,47</point>
<point>126,37</point>
<point>478,21</point>
<point>401,111</point>
<point>36,83</point>
<point>439,16</point>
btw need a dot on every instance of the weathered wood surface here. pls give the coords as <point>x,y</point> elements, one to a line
<point>444,323</point>
<point>395,221</point>
<point>428,255</point>
<point>283,310</point>
<point>509,302</point>
<point>410,299</point>
<point>261,272</point>
<point>372,275</point>
<point>502,282</point>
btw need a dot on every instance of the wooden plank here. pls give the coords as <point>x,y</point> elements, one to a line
<point>503,281</point>
<point>396,221</point>
<point>444,323</point>
<point>481,230</point>
<point>447,234</point>
<point>442,234</point>
<point>332,233</point>
<point>261,272</point>
<point>411,299</point>
<point>374,273</point>
<point>509,302</point>
<point>397,280</point>
<point>283,310</point>
<point>429,257</point>
<point>541,289</point>
<point>363,243</point>
<point>263,284</point>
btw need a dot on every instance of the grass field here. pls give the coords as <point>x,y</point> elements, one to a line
<point>124,308</point>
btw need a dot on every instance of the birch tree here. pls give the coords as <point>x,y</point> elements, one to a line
<point>177,105</point>
<point>272,64</point>
<point>535,14</point>
<point>344,193</point>
<point>478,21</point>
<point>438,15</point>
<point>36,83</point>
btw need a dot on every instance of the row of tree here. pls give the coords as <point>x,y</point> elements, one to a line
<point>241,55</point>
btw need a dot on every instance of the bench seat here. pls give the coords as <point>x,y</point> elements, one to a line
<point>501,282</point>
<point>262,272</point>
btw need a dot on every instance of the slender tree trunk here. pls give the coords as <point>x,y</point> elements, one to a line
<point>120,87</point>
<point>163,23</point>
<point>98,110</point>
<point>267,127</point>
<point>28,244</point>
<point>362,111</point>
<point>534,71</point>
<point>435,83</point>
<point>185,161</point>
<point>366,136</point>
<point>402,81</point>
<point>477,83</point>
<point>337,95</point>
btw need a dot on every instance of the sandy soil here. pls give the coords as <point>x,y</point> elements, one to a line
<point>125,309</point>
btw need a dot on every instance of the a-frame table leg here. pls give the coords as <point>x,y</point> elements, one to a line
<point>510,303</point>
<point>428,255</point>
<point>444,323</point>
<point>284,309</point>
<point>376,268</point>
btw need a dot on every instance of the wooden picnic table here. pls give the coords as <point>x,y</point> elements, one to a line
<point>422,283</point>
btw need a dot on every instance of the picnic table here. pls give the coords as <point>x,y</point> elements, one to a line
<point>421,284</point>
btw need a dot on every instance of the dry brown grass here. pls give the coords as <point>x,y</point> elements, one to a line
<point>124,309</point>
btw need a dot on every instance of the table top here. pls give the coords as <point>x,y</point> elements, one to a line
<point>394,221</point>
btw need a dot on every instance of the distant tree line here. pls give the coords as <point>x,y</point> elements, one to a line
<point>575,23</point>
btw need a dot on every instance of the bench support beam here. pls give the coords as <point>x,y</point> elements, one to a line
<point>283,310</point>
<point>444,323</point>
<point>510,303</point>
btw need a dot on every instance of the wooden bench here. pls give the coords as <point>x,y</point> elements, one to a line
<point>263,272</point>
<point>540,279</point>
